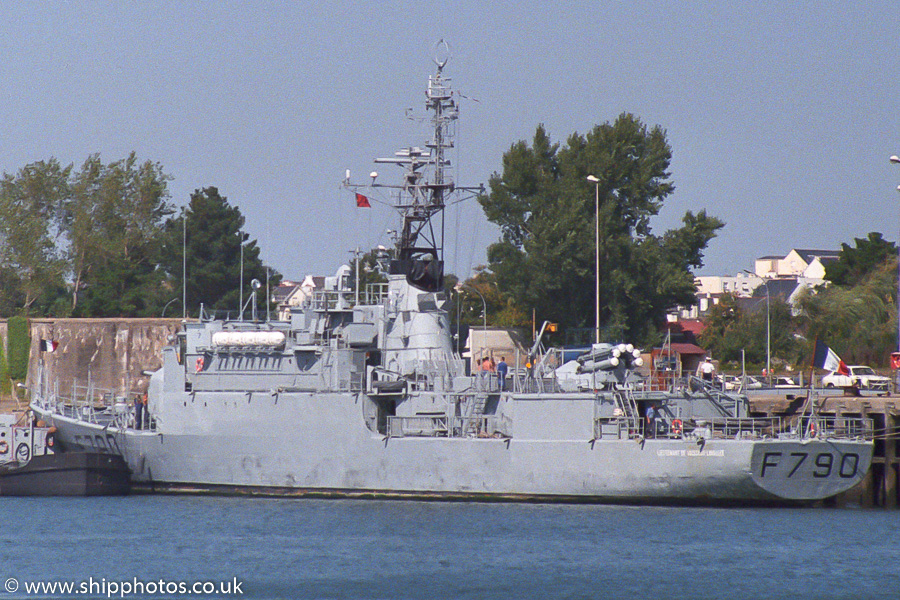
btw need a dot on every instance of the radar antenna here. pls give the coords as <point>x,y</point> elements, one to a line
<point>426,185</point>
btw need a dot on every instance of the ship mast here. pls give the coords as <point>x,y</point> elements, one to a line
<point>426,186</point>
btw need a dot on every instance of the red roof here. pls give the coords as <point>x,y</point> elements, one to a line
<point>695,326</point>
<point>684,349</point>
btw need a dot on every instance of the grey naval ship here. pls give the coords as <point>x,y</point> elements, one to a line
<point>360,393</point>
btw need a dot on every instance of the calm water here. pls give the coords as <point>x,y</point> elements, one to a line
<point>371,549</point>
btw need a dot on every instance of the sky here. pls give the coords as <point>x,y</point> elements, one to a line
<point>781,115</point>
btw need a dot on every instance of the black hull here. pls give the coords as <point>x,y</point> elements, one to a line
<point>67,474</point>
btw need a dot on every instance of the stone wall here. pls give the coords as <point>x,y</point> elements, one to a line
<point>112,353</point>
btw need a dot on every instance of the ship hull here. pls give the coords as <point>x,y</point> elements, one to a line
<point>317,444</point>
<point>69,474</point>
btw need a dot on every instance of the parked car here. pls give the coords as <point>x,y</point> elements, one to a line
<point>784,382</point>
<point>733,383</point>
<point>861,376</point>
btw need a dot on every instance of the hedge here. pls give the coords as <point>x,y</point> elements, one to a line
<point>18,346</point>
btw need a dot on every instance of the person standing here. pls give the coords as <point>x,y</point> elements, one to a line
<point>485,373</point>
<point>707,370</point>
<point>650,414</point>
<point>138,412</point>
<point>502,370</point>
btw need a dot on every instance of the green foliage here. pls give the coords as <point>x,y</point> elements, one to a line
<point>731,329</point>
<point>501,310</point>
<point>115,222</point>
<point>545,209</point>
<point>854,264</point>
<point>96,242</point>
<point>12,294</point>
<point>5,383</point>
<point>369,270</point>
<point>18,347</point>
<point>214,239</point>
<point>32,217</point>
<point>859,322</point>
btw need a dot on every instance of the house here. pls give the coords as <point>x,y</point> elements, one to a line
<point>710,290</point>
<point>797,263</point>
<point>497,342</point>
<point>783,277</point>
<point>291,294</point>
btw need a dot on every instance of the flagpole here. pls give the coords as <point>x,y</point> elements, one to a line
<point>812,364</point>
<point>809,402</point>
<point>184,265</point>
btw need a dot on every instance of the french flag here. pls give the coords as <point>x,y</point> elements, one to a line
<point>49,345</point>
<point>826,358</point>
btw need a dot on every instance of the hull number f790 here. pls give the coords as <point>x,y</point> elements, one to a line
<point>822,464</point>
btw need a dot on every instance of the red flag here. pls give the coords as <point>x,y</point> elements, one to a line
<point>362,201</point>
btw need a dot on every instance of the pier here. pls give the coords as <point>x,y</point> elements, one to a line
<point>879,488</point>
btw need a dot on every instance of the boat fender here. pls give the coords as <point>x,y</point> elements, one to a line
<point>199,364</point>
<point>4,447</point>
<point>812,429</point>
<point>677,427</point>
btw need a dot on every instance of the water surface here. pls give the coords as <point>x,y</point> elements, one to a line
<point>347,549</point>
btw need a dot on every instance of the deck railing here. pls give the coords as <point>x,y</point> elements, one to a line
<point>446,426</point>
<point>92,404</point>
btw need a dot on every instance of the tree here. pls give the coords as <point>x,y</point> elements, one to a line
<point>501,310</point>
<point>213,253</point>
<point>859,322</point>
<point>32,267</point>
<point>731,329</point>
<point>370,271</point>
<point>854,264</point>
<point>545,209</point>
<point>115,219</point>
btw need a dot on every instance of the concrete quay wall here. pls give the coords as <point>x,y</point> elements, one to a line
<point>112,353</point>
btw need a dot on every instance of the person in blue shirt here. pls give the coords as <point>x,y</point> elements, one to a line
<point>502,370</point>
<point>650,413</point>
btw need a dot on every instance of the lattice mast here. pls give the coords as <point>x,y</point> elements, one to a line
<point>421,197</point>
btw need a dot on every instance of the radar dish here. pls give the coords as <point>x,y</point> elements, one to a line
<point>441,53</point>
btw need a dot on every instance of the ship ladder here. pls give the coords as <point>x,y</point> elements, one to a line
<point>629,407</point>
<point>474,409</point>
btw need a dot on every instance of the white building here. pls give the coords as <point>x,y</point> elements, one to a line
<point>809,264</point>
<point>786,275</point>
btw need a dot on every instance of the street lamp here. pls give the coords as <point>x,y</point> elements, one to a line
<point>896,160</point>
<point>167,306</point>
<point>768,327</point>
<point>241,283</point>
<point>596,183</point>
<point>460,286</point>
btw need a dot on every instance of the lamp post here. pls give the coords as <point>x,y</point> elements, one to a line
<point>460,286</point>
<point>167,306</point>
<point>183,267</point>
<point>596,183</point>
<point>768,327</point>
<point>241,283</point>
<point>896,160</point>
